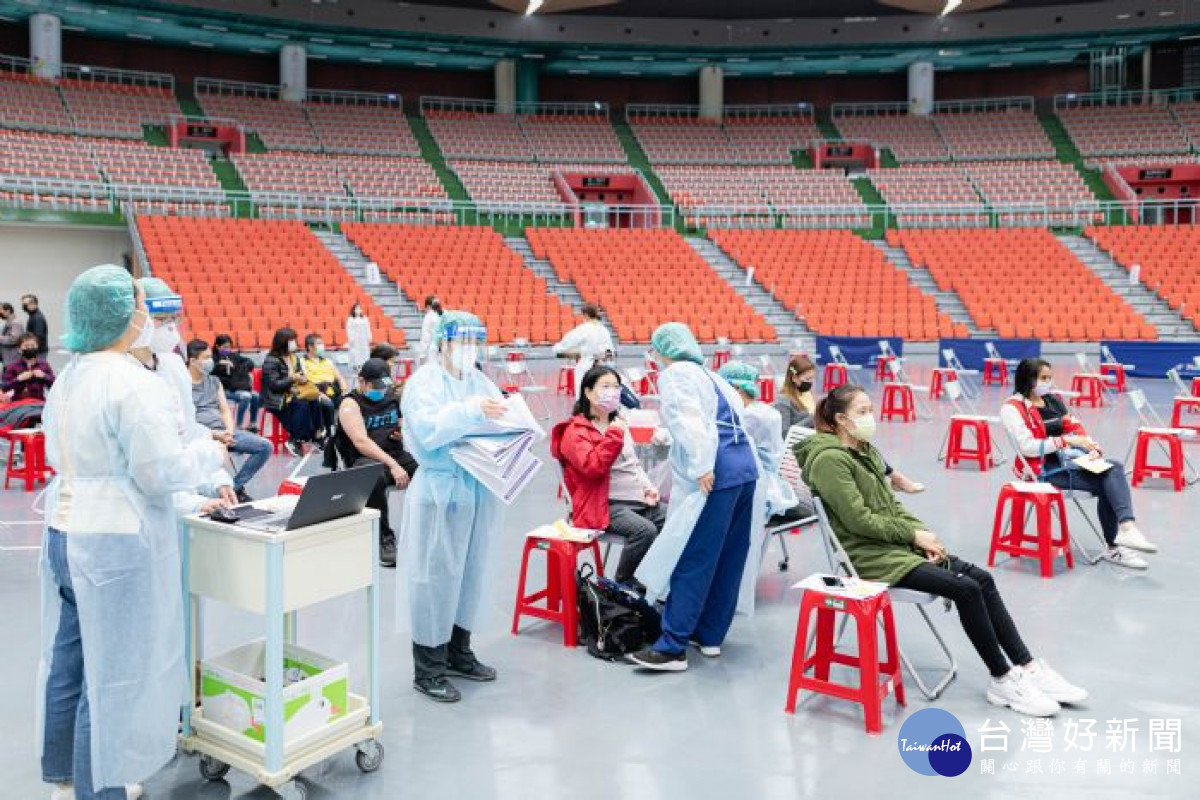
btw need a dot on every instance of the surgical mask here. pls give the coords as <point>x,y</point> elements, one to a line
<point>319,350</point>
<point>608,401</point>
<point>164,338</point>
<point>1043,388</point>
<point>29,353</point>
<point>463,357</point>
<point>805,387</point>
<point>292,347</point>
<point>375,395</point>
<point>145,333</point>
<point>223,352</point>
<point>206,366</point>
<point>864,428</point>
<point>358,312</point>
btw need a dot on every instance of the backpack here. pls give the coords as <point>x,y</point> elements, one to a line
<point>613,619</point>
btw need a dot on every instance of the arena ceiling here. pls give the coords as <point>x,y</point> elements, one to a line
<point>745,9</point>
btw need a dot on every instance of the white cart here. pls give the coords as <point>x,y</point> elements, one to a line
<point>275,575</point>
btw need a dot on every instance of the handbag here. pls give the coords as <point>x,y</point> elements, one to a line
<point>613,619</point>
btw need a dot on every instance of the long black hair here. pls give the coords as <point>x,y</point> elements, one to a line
<point>590,379</point>
<point>836,402</point>
<point>1027,375</point>
<point>279,342</point>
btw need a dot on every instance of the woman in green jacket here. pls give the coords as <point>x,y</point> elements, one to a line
<point>887,543</point>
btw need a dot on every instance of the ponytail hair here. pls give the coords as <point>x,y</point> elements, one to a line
<point>836,402</point>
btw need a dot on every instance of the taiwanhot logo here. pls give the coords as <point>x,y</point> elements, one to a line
<point>933,742</point>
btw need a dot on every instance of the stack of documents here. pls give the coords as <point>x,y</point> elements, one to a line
<point>498,453</point>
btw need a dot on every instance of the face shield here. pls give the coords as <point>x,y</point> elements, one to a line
<point>166,315</point>
<point>463,343</point>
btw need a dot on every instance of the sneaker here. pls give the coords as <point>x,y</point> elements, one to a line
<point>134,791</point>
<point>1134,540</point>
<point>251,429</point>
<point>1053,685</point>
<point>476,671</point>
<point>387,552</point>
<point>1017,691</point>
<point>243,497</point>
<point>1124,557</point>
<point>713,651</point>
<point>294,447</point>
<point>62,791</point>
<point>659,661</point>
<point>438,689</point>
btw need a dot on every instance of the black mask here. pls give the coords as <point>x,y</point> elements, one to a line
<point>805,386</point>
<point>30,354</point>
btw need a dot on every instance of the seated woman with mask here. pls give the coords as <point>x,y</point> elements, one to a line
<point>609,490</point>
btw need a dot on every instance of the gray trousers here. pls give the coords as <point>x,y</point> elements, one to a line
<point>637,524</point>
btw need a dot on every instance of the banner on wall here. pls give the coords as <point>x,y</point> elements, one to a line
<point>972,352</point>
<point>1153,359</point>
<point>860,350</point>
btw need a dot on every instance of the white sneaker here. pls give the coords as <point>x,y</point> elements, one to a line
<point>62,791</point>
<point>1016,691</point>
<point>1053,685</point>
<point>708,652</point>
<point>1124,557</point>
<point>1133,539</point>
<point>134,791</point>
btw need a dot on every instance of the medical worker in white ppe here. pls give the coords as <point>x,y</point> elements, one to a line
<point>772,495</point>
<point>450,519</point>
<point>589,339</point>
<point>112,677</point>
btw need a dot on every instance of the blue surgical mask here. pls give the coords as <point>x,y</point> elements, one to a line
<point>375,395</point>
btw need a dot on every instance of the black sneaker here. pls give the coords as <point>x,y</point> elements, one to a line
<point>475,671</point>
<point>387,553</point>
<point>294,447</point>
<point>659,661</point>
<point>243,497</point>
<point>438,689</point>
<point>251,429</point>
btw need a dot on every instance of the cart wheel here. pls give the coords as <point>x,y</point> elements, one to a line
<point>211,769</point>
<point>783,565</point>
<point>369,756</point>
<point>293,791</point>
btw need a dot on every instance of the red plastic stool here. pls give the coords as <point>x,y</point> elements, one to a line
<point>1090,389</point>
<point>566,381</point>
<point>766,389</point>
<point>1189,406</point>
<point>937,384</point>
<point>557,602</point>
<point>1172,471</point>
<point>406,370</point>
<point>277,435</point>
<point>833,376</point>
<point>957,450</point>
<point>883,369</point>
<point>1117,373</point>
<point>1013,540</point>
<point>898,401</point>
<point>875,678</point>
<point>516,355</point>
<point>1195,387</point>
<point>33,447</point>
<point>995,372</point>
<point>721,357</point>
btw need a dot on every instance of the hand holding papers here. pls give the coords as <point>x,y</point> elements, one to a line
<point>497,452</point>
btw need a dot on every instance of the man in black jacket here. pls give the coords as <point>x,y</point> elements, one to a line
<point>236,374</point>
<point>36,323</point>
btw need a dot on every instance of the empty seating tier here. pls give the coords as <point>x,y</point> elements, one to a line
<point>910,138</point>
<point>279,124</point>
<point>994,135</point>
<point>1166,255</point>
<point>770,140</point>
<point>464,134</point>
<point>389,177</point>
<point>839,283</point>
<point>575,138</point>
<point>127,163</point>
<point>467,268</point>
<point>292,173</point>
<point>1012,184</point>
<point>929,185</point>
<point>1123,130</point>
<point>645,277</point>
<point>103,109</point>
<point>701,190</point>
<point>362,129</point>
<point>46,155</point>
<point>683,141</point>
<point>1023,283</point>
<point>500,183</point>
<point>26,102</point>
<point>249,277</point>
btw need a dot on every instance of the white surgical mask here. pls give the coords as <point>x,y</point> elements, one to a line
<point>864,428</point>
<point>145,332</point>
<point>1043,388</point>
<point>164,338</point>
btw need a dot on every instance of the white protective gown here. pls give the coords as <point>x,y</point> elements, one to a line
<point>429,345</point>
<point>113,439</point>
<point>174,374</point>
<point>591,340</point>
<point>772,494</point>
<point>688,408</point>
<point>450,519</point>
<point>358,340</point>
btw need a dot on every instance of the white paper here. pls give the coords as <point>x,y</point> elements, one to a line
<point>517,417</point>
<point>1032,486</point>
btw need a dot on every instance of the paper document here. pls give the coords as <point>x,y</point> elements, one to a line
<point>1094,465</point>
<point>503,464</point>
<point>517,417</point>
<point>561,530</point>
<point>852,588</point>
<point>1030,486</point>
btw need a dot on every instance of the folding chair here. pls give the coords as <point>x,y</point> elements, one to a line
<point>518,371</point>
<point>994,353</point>
<point>1182,389</point>
<point>839,564</point>
<point>900,375</point>
<point>789,470</point>
<point>1086,367</point>
<point>1150,420</point>
<point>835,354</point>
<point>965,376</point>
<point>1027,473</point>
<point>964,407</point>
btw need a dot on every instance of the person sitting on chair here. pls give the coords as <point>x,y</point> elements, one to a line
<point>886,543</point>
<point>608,488</point>
<point>1050,440</point>
<point>368,432</point>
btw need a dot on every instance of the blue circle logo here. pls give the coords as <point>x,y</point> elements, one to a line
<point>933,742</point>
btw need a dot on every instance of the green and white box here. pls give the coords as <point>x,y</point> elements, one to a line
<point>233,691</point>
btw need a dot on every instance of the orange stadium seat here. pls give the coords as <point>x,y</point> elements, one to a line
<point>1167,257</point>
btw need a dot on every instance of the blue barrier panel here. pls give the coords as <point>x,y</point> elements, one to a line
<point>972,352</point>
<point>1153,359</point>
<point>860,350</point>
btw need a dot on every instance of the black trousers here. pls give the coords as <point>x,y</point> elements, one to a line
<point>981,610</point>
<point>638,524</point>
<point>378,498</point>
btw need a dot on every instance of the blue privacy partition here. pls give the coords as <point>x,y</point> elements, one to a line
<point>1153,359</point>
<point>860,350</point>
<point>972,352</point>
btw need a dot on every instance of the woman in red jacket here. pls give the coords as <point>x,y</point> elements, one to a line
<point>609,490</point>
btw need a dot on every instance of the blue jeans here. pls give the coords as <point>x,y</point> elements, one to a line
<point>705,583</point>
<point>1110,487</point>
<point>244,399</point>
<point>67,751</point>
<point>259,451</point>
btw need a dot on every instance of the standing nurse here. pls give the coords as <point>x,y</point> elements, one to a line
<point>112,676</point>
<point>590,339</point>
<point>701,552</point>
<point>449,517</point>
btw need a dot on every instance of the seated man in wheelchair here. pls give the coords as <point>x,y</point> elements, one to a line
<point>368,432</point>
<point>886,543</point>
<point>1050,441</point>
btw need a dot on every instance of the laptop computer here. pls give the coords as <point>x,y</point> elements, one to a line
<point>325,497</point>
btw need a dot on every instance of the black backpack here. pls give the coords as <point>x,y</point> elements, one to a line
<point>613,619</point>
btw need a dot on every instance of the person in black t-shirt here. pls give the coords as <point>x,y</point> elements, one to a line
<point>368,432</point>
<point>236,374</point>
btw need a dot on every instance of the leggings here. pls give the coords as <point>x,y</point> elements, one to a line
<point>980,610</point>
<point>1110,488</point>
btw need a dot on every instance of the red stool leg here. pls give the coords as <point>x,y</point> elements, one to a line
<point>824,649</point>
<point>1175,445</point>
<point>597,558</point>
<point>892,665</point>
<point>517,608</point>
<point>998,525</point>
<point>568,604</point>
<point>1045,534</point>
<point>799,655</point>
<point>1064,539</point>
<point>868,671</point>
